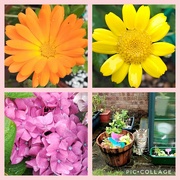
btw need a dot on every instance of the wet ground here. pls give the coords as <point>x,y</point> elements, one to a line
<point>138,165</point>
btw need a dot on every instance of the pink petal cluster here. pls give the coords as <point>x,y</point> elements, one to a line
<point>49,133</point>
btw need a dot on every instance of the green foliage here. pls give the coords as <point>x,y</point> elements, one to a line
<point>101,172</point>
<point>16,169</point>
<point>9,136</point>
<point>96,102</point>
<point>14,95</point>
<point>118,122</point>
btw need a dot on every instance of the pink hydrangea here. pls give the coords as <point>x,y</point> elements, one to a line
<point>50,133</point>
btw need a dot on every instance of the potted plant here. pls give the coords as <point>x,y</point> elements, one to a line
<point>105,113</point>
<point>163,155</point>
<point>161,104</point>
<point>116,143</point>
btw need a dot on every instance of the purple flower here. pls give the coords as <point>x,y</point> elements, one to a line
<point>50,133</point>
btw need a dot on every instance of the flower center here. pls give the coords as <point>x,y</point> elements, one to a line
<point>48,50</point>
<point>134,46</point>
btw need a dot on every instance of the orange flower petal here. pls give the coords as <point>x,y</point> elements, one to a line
<point>19,44</point>
<point>26,55</point>
<point>21,78</point>
<point>72,44</point>
<point>8,61</point>
<point>15,67</point>
<point>44,20</point>
<point>73,52</point>
<point>30,12</point>
<point>54,78</point>
<point>22,18</point>
<point>44,77</point>
<point>66,61</point>
<point>11,51</point>
<point>78,24</point>
<point>79,61</point>
<point>12,33</point>
<point>34,28</point>
<point>57,18</point>
<point>61,70</point>
<point>35,80</point>
<point>27,34</point>
<point>28,67</point>
<point>53,65</point>
<point>40,66</point>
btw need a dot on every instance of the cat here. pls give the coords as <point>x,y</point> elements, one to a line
<point>140,137</point>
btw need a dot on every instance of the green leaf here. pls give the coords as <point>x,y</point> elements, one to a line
<point>78,10</point>
<point>16,169</point>
<point>9,136</point>
<point>14,95</point>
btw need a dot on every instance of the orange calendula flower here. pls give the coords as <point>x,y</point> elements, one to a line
<point>46,46</point>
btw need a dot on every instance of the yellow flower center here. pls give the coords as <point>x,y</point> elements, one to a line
<point>48,50</point>
<point>134,46</point>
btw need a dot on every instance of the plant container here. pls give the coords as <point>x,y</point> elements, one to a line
<point>116,156</point>
<point>167,160</point>
<point>105,116</point>
<point>96,119</point>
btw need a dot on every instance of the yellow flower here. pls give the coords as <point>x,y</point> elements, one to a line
<point>133,41</point>
<point>47,45</point>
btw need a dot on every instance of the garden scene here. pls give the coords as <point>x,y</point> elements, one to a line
<point>134,133</point>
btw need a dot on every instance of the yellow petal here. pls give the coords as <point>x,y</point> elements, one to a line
<point>129,15</point>
<point>142,18</point>
<point>101,34</point>
<point>154,66</point>
<point>162,48</point>
<point>115,24</point>
<point>105,47</point>
<point>120,74</point>
<point>135,75</point>
<point>155,21</point>
<point>158,32</point>
<point>111,65</point>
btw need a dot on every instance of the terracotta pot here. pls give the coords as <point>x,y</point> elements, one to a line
<point>105,116</point>
<point>116,156</point>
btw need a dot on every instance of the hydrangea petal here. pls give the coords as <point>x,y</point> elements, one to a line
<point>142,18</point>
<point>154,66</point>
<point>129,15</point>
<point>135,75</point>
<point>111,65</point>
<point>162,48</point>
<point>120,74</point>
<point>115,24</point>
